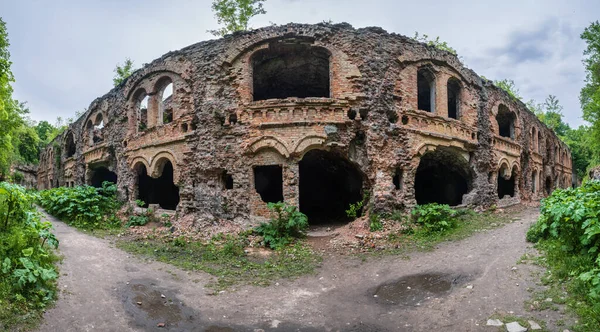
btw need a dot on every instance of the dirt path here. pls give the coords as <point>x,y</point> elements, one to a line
<point>101,287</point>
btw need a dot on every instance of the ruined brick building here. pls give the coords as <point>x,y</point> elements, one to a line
<point>313,115</point>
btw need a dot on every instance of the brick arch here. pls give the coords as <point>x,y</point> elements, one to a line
<point>139,160</point>
<point>158,162</point>
<point>308,143</point>
<point>269,142</point>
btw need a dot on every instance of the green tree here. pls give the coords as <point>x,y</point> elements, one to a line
<point>10,117</point>
<point>590,93</point>
<point>437,43</point>
<point>45,131</point>
<point>553,116</point>
<point>510,87</point>
<point>234,15</point>
<point>123,71</point>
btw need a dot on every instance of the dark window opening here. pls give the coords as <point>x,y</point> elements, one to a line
<point>397,179</point>
<point>101,174</point>
<point>426,90</point>
<point>442,177</point>
<point>143,113</point>
<point>404,120</point>
<point>506,187</point>
<point>329,183</point>
<point>506,122</point>
<point>290,70</point>
<point>227,180</point>
<point>233,118</point>
<point>184,127</point>
<point>161,191</point>
<point>453,98</point>
<point>70,145</point>
<point>548,186</point>
<point>268,182</point>
<point>167,116</point>
<point>539,142</point>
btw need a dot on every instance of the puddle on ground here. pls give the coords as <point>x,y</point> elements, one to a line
<point>414,289</point>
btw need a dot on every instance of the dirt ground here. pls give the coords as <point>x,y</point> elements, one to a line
<point>456,287</point>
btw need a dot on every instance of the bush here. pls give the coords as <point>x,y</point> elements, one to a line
<point>286,224</point>
<point>355,210</point>
<point>83,207</point>
<point>434,218</point>
<point>137,221</point>
<point>375,223</point>
<point>569,219</point>
<point>27,272</point>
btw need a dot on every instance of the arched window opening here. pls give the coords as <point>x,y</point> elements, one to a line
<point>290,70</point>
<point>329,183</point>
<point>426,90</point>
<point>533,139</point>
<point>268,182</point>
<point>70,146</point>
<point>506,122</point>
<point>506,182</point>
<point>453,87</point>
<point>539,142</point>
<point>443,177</point>
<point>165,108</point>
<point>100,175</point>
<point>161,191</point>
<point>143,113</point>
<point>534,181</point>
<point>398,178</point>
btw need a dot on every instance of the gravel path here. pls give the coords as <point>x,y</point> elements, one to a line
<point>456,287</point>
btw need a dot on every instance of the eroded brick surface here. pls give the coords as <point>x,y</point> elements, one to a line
<point>213,133</point>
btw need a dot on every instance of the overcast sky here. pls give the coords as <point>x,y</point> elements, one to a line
<point>64,52</point>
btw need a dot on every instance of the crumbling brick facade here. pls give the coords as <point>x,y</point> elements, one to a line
<point>315,115</point>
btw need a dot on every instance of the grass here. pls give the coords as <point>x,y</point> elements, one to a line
<point>225,259</point>
<point>564,288</point>
<point>468,223</point>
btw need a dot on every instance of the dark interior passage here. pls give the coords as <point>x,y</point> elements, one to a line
<point>548,186</point>
<point>268,182</point>
<point>101,174</point>
<point>453,98</point>
<point>290,70</point>
<point>426,90</point>
<point>506,187</point>
<point>329,183</point>
<point>161,191</point>
<point>442,177</point>
<point>506,122</point>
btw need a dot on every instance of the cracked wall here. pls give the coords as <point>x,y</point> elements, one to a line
<point>214,129</point>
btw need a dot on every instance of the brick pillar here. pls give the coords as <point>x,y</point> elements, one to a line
<point>441,95</point>
<point>291,183</point>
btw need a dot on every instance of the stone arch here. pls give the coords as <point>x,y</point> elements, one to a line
<point>162,104</point>
<point>140,161</point>
<point>426,93</point>
<point>308,143</point>
<point>506,121</point>
<point>269,142</point>
<point>158,162</point>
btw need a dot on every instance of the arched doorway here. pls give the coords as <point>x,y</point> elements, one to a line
<point>162,190</point>
<point>329,183</point>
<point>101,174</point>
<point>443,177</point>
<point>506,182</point>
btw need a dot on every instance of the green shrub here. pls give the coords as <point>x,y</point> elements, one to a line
<point>355,210</point>
<point>434,218</point>
<point>375,223</point>
<point>286,224</point>
<point>83,207</point>
<point>570,218</point>
<point>137,221</point>
<point>27,271</point>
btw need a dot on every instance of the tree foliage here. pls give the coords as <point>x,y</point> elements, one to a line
<point>123,71</point>
<point>590,93</point>
<point>234,15</point>
<point>437,43</point>
<point>510,87</point>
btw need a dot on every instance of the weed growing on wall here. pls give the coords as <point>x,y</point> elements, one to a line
<point>27,271</point>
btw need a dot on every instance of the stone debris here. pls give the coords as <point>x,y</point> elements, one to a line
<point>515,327</point>
<point>533,325</point>
<point>494,322</point>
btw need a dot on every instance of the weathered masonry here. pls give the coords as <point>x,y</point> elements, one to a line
<point>313,115</point>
